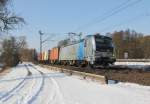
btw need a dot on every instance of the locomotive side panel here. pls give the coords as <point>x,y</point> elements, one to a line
<point>89,49</point>
<point>73,52</point>
<point>80,53</point>
<point>69,52</point>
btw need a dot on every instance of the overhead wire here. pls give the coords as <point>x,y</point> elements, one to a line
<point>111,10</point>
<point>114,11</point>
<point>126,22</point>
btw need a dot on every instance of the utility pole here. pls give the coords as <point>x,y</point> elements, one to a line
<point>43,41</point>
<point>40,32</point>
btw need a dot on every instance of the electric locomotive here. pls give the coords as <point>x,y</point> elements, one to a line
<point>92,50</point>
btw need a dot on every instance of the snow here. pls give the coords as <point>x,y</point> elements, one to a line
<point>43,86</point>
<point>7,86</point>
<point>132,63</point>
<point>138,65</point>
<point>86,92</point>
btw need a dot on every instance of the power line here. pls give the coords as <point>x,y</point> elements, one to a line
<point>114,11</point>
<point>128,21</point>
<point>119,6</point>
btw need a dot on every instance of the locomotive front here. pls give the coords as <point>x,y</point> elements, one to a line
<point>99,50</point>
<point>104,50</point>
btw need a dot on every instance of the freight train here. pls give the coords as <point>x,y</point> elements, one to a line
<point>93,50</point>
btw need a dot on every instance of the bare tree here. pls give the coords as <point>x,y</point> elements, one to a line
<point>11,49</point>
<point>131,42</point>
<point>29,55</point>
<point>8,20</point>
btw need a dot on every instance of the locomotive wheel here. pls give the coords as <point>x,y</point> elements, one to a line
<point>77,64</point>
<point>92,66</point>
<point>84,64</point>
<point>65,63</point>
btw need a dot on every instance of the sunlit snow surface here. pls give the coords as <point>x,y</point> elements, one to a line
<point>42,86</point>
<point>137,65</point>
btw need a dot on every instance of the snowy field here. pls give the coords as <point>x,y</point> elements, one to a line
<point>138,65</point>
<point>32,84</point>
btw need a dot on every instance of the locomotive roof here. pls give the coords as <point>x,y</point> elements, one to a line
<point>83,40</point>
<point>73,43</point>
<point>97,35</point>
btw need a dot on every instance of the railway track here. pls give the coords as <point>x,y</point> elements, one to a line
<point>36,87</point>
<point>54,95</point>
<point>29,88</point>
<point>26,90</point>
<point>17,89</point>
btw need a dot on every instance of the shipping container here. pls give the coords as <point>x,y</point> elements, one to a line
<point>39,57</point>
<point>54,54</point>
<point>45,55</point>
<point>49,54</point>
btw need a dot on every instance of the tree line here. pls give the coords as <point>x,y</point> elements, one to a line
<point>131,44</point>
<point>10,50</point>
<point>15,50</point>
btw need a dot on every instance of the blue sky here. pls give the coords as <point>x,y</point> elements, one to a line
<point>58,17</point>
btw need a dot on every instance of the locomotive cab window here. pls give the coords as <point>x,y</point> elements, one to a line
<point>103,43</point>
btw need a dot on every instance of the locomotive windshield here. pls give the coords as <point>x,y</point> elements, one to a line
<point>103,43</point>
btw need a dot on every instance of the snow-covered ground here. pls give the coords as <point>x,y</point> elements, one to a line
<point>138,65</point>
<point>132,63</point>
<point>32,84</point>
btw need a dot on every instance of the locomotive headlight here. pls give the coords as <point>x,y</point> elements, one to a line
<point>113,54</point>
<point>108,50</point>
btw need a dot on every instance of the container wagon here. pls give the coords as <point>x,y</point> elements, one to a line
<point>40,57</point>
